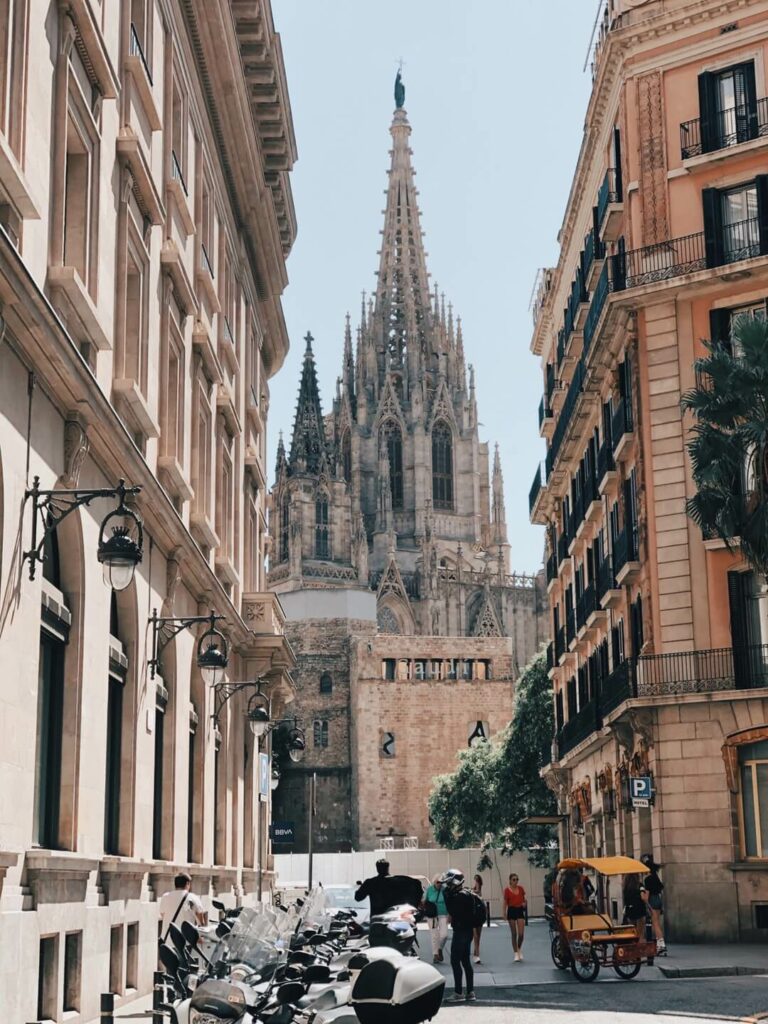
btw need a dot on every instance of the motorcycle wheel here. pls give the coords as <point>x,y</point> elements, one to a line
<point>560,956</point>
<point>627,971</point>
<point>586,971</point>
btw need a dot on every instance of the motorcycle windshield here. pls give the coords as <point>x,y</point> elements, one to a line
<point>258,937</point>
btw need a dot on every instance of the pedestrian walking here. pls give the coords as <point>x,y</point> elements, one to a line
<point>465,913</point>
<point>515,904</point>
<point>180,904</point>
<point>378,888</point>
<point>635,903</point>
<point>437,915</point>
<point>477,889</point>
<point>655,888</point>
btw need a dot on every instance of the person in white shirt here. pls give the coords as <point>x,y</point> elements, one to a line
<point>180,905</point>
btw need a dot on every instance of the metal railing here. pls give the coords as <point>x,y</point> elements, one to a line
<point>570,623</point>
<point>545,412</point>
<point>593,250</point>
<point>559,642</point>
<point>624,547</point>
<point>617,686</point>
<point>596,307</point>
<point>579,728</point>
<point>707,671</point>
<point>562,546</point>
<point>563,420</point>
<point>621,422</point>
<point>550,656</point>
<point>605,463</point>
<point>606,578</point>
<point>135,49</point>
<point>176,172</point>
<point>205,260</point>
<point>725,128</point>
<point>536,487</point>
<point>740,241</point>
<point>610,191</point>
<point>585,605</point>
<point>552,567</point>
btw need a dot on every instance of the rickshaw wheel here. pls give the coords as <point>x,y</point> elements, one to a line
<point>559,951</point>
<point>586,971</point>
<point>627,971</point>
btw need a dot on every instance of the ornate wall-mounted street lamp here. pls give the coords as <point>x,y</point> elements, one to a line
<point>258,715</point>
<point>212,647</point>
<point>119,552</point>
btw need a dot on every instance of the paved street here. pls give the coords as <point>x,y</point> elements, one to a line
<point>534,992</point>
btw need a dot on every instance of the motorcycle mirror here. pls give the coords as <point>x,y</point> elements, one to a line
<point>218,905</point>
<point>222,929</point>
<point>316,973</point>
<point>317,940</point>
<point>290,992</point>
<point>293,973</point>
<point>343,976</point>
<point>168,959</point>
<point>301,956</point>
<point>190,933</point>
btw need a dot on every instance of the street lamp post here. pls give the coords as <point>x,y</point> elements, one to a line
<point>212,647</point>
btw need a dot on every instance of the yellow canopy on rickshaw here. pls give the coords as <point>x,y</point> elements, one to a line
<point>605,865</point>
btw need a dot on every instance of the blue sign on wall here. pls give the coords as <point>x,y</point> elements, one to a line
<point>264,775</point>
<point>641,789</point>
<point>282,832</point>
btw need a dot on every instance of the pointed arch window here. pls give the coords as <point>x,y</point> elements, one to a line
<point>442,466</point>
<point>346,456</point>
<point>394,440</point>
<point>285,518</point>
<point>322,540</point>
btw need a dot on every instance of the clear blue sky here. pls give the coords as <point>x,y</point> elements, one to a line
<point>496,97</point>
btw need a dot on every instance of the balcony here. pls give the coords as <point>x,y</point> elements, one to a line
<point>563,420</point>
<point>606,467</point>
<point>610,205</point>
<point>621,428</point>
<point>579,728</point>
<point>625,562</point>
<point>707,671</point>
<point>586,606</point>
<point>552,568</point>
<point>570,624</point>
<point>617,686</point>
<point>563,543</point>
<point>608,591</point>
<point>592,256</point>
<point>596,307</point>
<point>550,656</point>
<point>559,644</point>
<point>535,492</point>
<point>688,254</point>
<point>724,130</point>
<point>546,417</point>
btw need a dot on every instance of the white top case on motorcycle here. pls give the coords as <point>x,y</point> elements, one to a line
<point>391,992</point>
<point>219,998</point>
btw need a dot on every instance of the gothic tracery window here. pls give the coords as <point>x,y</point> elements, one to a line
<point>284,526</point>
<point>322,545</point>
<point>394,441</point>
<point>346,456</point>
<point>442,466</point>
<point>387,621</point>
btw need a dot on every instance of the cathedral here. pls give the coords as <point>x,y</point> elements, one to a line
<point>389,553</point>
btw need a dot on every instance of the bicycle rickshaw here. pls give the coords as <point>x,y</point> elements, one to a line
<point>586,939</point>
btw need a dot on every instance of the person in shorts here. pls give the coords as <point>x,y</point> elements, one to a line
<point>515,905</point>
<point>655,888</point>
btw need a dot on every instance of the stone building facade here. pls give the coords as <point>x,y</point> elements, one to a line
<point>389,551</point>
<point>658,657</point>
<point>145,226</point>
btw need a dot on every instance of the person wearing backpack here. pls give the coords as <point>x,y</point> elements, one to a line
<point>515,905</point>
<point>436,913</point>
<point>466,911</point>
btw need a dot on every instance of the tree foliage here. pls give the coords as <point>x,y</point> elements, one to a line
<point>729,443</point>
<point>496,784</point>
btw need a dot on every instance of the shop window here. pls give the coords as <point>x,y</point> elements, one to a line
<point>753,792</point>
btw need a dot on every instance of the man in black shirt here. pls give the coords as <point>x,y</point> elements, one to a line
<point>460,903</point>
<point>378,889</point>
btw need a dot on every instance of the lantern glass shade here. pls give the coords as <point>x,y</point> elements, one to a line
<point>118,574</point>
<point>119,555</point>
<point>258,719</point>
<point>274,782</point>
<point>295,746</point>
<point>212,662</point>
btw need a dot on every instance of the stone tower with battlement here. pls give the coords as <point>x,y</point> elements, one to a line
<point>390,552</point>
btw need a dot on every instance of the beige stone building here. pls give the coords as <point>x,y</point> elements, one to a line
<point>658,655</point>
<point>390,555</point>
<point>146,213</point>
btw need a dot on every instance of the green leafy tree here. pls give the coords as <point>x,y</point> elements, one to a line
<point>729,443</point>
<point>496,784</point>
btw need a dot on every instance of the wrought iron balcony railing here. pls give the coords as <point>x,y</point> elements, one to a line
<point>585,605</point>
<point>562,547</point>
<point>724,668</point>
<point>596,307</point>
<point>618,686</point>
<point>610,191</point>
<point>559,642</point>
<point>605,463</point>
<point>135,49</point>
<point>552,567</point>
<point>536,488</point>
<point>724,129</point>
<point>570,623</point>
<point>579,728</point>
<point>563,420</point>
<point>593,250</point>
<point>621,422</point>
<point>550,656</point>
<point>545,411</point>
<point>606,578</point>
<point>625,547</point>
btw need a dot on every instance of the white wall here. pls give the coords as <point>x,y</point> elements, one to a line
<point>347,868</point>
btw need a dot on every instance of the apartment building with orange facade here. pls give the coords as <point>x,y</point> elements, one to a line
<point>659,655</point>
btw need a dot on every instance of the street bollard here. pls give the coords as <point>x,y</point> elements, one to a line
<point>107,1007</point>
<point>158,997</point>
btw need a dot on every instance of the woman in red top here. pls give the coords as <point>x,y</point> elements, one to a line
<point>514,906</point>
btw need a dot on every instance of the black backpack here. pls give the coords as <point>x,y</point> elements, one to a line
<point>479,913</point>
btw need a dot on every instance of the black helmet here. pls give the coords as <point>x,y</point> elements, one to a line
<point>453,879</point>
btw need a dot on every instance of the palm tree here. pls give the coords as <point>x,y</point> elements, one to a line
<point>729,443</point>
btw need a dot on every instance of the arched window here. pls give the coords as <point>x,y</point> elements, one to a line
<point>346,456</point>
<point>326,683</point>
<point>322,545</point>
<point>394,441</point>
<point>285,518</point>
<point>320,733</point>
<point>442,466</point>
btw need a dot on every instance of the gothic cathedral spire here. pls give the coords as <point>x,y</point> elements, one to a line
<point>308,447</point>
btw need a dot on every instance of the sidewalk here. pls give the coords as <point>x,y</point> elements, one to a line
<point>498,968</point>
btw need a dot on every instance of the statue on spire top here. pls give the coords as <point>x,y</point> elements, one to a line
<point>399,90</point>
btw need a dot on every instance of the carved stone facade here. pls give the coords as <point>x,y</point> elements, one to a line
<point>391,503</point>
